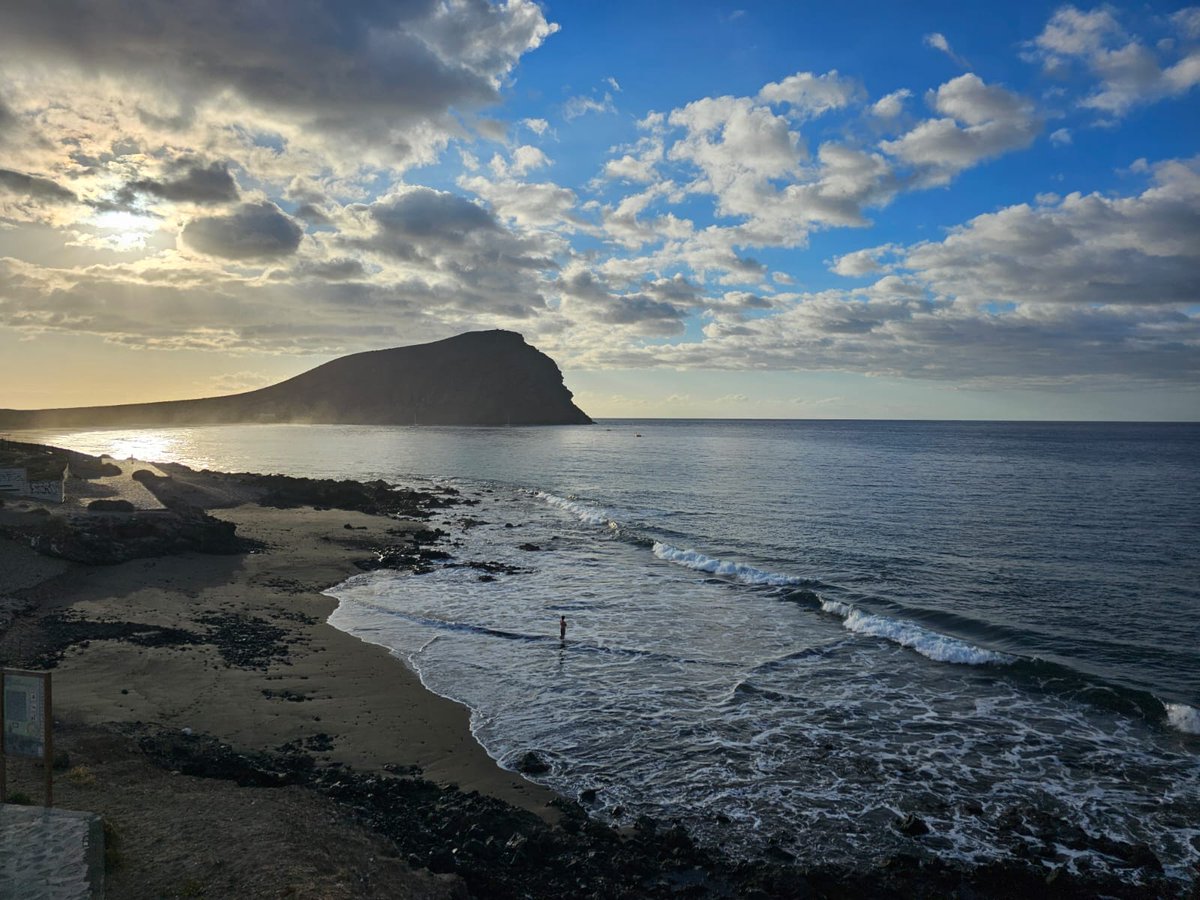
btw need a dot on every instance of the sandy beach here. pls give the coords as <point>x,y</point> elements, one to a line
<point>294,681</point>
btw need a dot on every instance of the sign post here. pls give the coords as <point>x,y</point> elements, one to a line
<point>26,724</point>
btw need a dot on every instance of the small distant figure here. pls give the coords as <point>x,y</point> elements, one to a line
<point>562,628</point>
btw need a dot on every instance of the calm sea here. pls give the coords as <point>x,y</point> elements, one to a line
<point>799,631</point>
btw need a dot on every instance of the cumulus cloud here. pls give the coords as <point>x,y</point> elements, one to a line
<point>527,204</point>
<point>1086,287</point>
<point>195,183</point>
<point>422,216</point>
<point>1129,73</point>
<point>978,121</point>
<point>739,147</point>
<point>526,158</point>
<point>34,187</point>
<point>255,231</point>
<point>810,95</point>
<point>891,105</point>
<point>861,262</point>
<point>363,70</point>
<point>1084,249</point>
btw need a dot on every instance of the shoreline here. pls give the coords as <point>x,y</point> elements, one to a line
<point>220,673</point>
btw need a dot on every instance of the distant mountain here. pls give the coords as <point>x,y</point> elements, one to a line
<point>477,378</point>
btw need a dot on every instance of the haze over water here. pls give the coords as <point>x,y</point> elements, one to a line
<point>804,629</point>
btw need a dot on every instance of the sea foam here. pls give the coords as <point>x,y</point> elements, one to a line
<point>693,559</point>
<point>1183,717</point>
<point>931,644</point>
<point>585,512</point>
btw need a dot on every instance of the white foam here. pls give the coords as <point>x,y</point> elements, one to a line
<point>1183,717</point>
<point>835,607</point>
<point>585,512</point>
<point>931,644</point>
<point>693,559</point>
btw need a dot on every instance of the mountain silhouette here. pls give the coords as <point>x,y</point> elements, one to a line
<point>477,378</point>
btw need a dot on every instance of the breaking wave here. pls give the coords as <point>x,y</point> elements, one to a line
<point>931,644</point>
<point>1183,718</point>
<point>692,559</point>
<point>587,513</point>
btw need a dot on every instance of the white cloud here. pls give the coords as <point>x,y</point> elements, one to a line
<point>891,105</point>
<point>1061,137</point>
<point>537,126</point>
<point>938,41</point>
<point>861,262</point>
<point>1187,22</point>
<point>1071,32</point>
<point>1083,250</point>
<point>979,121</point>
<point>1129,73</point>
<point>581,106</point>
<point>810,95</point>
<point>526,158</point>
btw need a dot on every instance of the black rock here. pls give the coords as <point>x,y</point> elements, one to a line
<point>116,506</point>
<point>588,795</point>
<point>532,764</point>
<point>912,825</point>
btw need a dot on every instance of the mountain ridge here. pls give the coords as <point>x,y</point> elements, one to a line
<point>475,378</point>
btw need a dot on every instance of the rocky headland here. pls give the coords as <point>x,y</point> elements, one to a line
<point>477,378</point>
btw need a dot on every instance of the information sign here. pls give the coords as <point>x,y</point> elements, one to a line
<point>25,724</point>
<point>24,715</point>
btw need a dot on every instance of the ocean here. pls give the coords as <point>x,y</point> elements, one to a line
<point>790,635</point>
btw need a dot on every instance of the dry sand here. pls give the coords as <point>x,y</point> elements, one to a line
<point>374,710</point>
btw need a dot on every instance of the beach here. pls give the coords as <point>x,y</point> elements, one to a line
<point>238,745</point>
<point>299,682</point>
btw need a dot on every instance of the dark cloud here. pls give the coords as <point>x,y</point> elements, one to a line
<point>647,312</point>
<point>41,189</point>
<point>254,231</point>
<point>7,118</point>
<point>197,184</point>
<point>642,309</point>
<point>423,215</point>
<point>314,215</point>
<point>343,268</point>
<point>443,231</point>
<point>367,68</point>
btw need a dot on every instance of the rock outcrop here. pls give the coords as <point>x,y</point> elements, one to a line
<point>477,378</point>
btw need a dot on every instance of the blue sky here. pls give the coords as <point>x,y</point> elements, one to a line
<point>697,209</point>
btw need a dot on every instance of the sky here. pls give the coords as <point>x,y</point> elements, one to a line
<point>776,210</point>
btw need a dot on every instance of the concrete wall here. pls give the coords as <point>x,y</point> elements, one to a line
<point>13,481</point>
<point>16,482</point>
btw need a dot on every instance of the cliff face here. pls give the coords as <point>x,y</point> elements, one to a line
<point>477,378</point>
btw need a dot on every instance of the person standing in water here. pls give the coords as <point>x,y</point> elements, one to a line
<point>562,628</point>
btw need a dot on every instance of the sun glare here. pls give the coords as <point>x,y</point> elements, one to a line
<point>143,446</point>
<point>124,230</point>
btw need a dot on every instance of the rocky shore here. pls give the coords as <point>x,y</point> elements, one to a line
<point>239,746</point>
